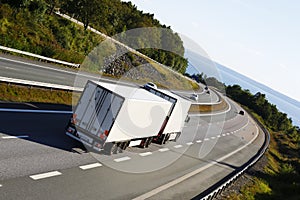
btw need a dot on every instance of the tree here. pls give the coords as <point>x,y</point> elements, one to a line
<point>52,4</point>
<point>84,9</point>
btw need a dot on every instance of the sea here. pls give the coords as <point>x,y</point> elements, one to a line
<point>284,103</point>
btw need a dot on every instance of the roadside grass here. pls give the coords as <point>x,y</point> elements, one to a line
<point>17,93</point>
<point>208,108</point>
<point>280,178</point>
<point>13,93</point>
<point>175,80</point>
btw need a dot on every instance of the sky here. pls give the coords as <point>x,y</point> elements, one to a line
<point>259,39</point>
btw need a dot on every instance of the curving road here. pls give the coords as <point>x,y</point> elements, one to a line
<point>38,161</point>
<point>33,144</point>
<point>25,69</point>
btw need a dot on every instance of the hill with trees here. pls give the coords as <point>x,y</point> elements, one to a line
<point>31,25</point>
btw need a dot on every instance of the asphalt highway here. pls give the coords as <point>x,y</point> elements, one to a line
<point>25,69</point>
<point>38,161</point>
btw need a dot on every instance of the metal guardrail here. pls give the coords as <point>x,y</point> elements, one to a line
<point>219,187</point>
<point>39,56</point>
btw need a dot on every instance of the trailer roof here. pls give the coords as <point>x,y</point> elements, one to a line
<point>173,95</point>
<point>129,92</point>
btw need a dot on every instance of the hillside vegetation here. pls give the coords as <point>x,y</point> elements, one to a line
<point>279,176</point>
<point>31,25</point>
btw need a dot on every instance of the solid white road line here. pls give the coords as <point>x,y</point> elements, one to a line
<point>90,166</point>
<point>163,150</point>
<point>122,159</point>
<point>177,146</point>
<point>189,143</point>
<point>14,137</point>
<point>45,175</point>
<point>40,66</point>
<point>145,154</point>
<point>193,173</point>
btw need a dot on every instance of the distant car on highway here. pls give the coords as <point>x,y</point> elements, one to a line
<point>150,85</point>
<point>194,97</point>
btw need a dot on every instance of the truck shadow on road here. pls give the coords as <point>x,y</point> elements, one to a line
<point>46,129</point>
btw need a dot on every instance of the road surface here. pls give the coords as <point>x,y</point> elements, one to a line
<point>37,160</point>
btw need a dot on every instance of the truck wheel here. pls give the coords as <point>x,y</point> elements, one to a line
<point>119,150</point>
<point>111,148</point>
<point>166,138</point>
<point>143,143</point>
<point>122,146</point>
<point>161,139</point>
<point>177,136</point>
<point>148,141</point>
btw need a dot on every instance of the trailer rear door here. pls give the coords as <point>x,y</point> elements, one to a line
<point>100,111</point>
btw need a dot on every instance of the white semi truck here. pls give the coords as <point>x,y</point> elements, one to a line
<point>111,117</point>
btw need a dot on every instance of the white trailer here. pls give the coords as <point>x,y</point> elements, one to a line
<point>176,118</point>
<point>111,117</point>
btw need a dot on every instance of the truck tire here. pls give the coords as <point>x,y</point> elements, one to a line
<point>111,148</point>
<point>148,141</point>
<point>143,143</point>
<point>166,138</point>
<point>177,136</point>
<point>160,139</point>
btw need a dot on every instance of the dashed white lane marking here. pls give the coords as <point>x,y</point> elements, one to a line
<point>0,185</point>
<point>213,138</point>
<point>145,154</point>
<point>178,146</point>
<point>199,141</point>
<point>163,150</point>
<point>193,173</point>
<point>219,136</point>
<point>90,166</point>
<point>206,139</point>
<point>14,137</point>
<point>122,159</point>
<point>224,134</point>
<point>189,143</point>
<point>228,133</point>
<point>45,175</point>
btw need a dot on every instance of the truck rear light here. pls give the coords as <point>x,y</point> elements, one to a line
<point>102,136</point>
<point>98,145</point>
<point>73,119</point>
<point>71,130</point>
